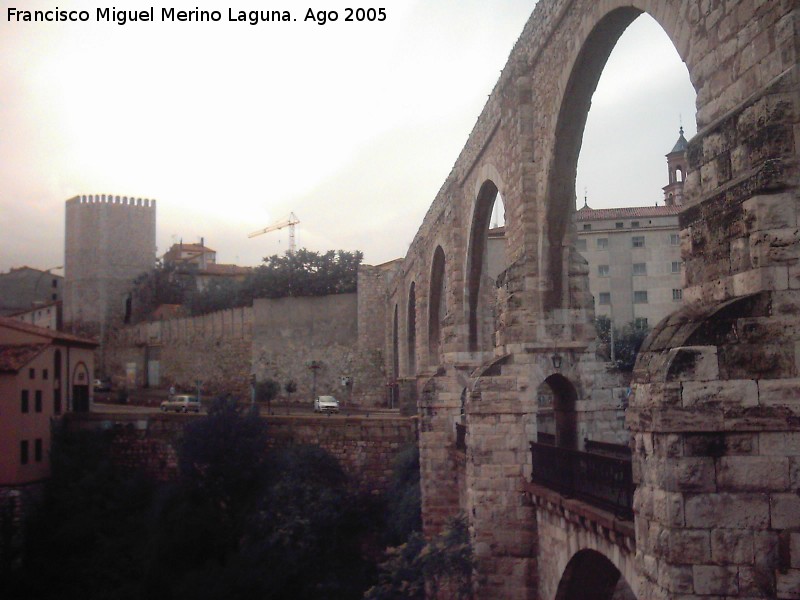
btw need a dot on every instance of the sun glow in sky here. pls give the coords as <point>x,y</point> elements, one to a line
<point>352,126</point>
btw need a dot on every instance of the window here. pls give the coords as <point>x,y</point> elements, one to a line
<point>634,223</point>
<point>44,373</point>
<point>602,243</point>
<point>55,283</point>
<point>38,400</point>
<point>640,268</point>
<point>605,298</point>
<point>24,401</point>
<point>581,245</point>
<point>676,266</point>
<point>640,323</point>
<point>57,402</point>
<point>677,295</point>
<point>31,373</point>
<point>640,297</point>
<point>619,224</point>
<point>37,450</point>
<point>602,270</point>
<point>23,452</point>
<point>637,241</point>
<point>587,226</point>
<point>674,239</point>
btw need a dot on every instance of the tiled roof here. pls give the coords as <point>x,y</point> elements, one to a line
<point>51,334</point>
<point>628,212</point>
<point>15,356</point>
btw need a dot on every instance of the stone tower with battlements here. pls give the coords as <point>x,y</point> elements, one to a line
<point>109,241</point>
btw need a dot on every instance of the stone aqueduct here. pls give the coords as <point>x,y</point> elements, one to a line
<point>714,419</point>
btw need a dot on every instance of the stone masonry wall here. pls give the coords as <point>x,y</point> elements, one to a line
<point>214,348</point>
<point>313,341</point>
<point>365,446</point>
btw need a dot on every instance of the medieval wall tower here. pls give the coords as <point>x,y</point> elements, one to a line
<point>109,241</point>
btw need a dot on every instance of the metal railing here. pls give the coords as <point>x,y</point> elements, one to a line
<point>602,481</point>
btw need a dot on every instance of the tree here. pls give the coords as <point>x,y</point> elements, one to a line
<point>404,504</point>
<point>266,391</point>
<point>420,569</point>
<point>627,342</point>
<point>305,273</point>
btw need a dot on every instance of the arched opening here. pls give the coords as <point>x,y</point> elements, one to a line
<point>411,330</point>
<point>437,308</point>
<point>679,175</point>
<point>556,419</point>
<point>591,576</point>
<point>486,260</point>
<point>395,345</point>
<point>57,382</point>
<point>625,129</point>
<point>80,388</point>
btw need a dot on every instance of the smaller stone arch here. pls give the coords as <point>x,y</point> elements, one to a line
<point>556,417</point>
<point>437,306</point>
<point>411,329</point>
<point>80,388</point>
<point>589,575</point>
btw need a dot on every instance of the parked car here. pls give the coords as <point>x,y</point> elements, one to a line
<point>101,385</point>
<point>327,404</point>
<point>181,403</point>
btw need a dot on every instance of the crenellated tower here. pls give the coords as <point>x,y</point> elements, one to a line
<point>109,241</point>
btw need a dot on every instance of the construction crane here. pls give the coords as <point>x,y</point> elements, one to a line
<point>290,223</point>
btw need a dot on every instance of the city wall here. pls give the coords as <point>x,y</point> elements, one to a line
<point>316,342</point>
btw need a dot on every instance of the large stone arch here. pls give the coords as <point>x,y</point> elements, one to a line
<point>485,199</point>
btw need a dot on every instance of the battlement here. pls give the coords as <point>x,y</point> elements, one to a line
<point>109,199</point>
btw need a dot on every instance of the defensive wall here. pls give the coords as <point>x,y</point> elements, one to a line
<point>317,342</point>
<point>714,416</point>
<point>366,447</point>
<point>213,348</point>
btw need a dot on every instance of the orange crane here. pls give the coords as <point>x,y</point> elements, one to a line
<point>290,223</point>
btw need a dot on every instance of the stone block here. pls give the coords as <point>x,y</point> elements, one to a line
<point>720,444</point>
<point>780,392</point>
<point>788,584</point>
<point>785,511</point>
<point>773,211</point>
<point>712,579</point>
<point>693,363</point>
<point>774,247</point>
<point>726,510</point>
<point>688,547</point>
<point>753,473</point>
<point>695,474</point>
<point>784,443</point>
<point>739,392</point>
<point>760,279</point>
<point>676,579</point>
<point>732,547</point>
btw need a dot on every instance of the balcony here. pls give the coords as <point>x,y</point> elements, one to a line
<point>601,480</point>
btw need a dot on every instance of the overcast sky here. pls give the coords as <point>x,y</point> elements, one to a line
<point>352,126</point>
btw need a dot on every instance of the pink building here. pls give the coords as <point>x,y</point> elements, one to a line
<point>43,374</point>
